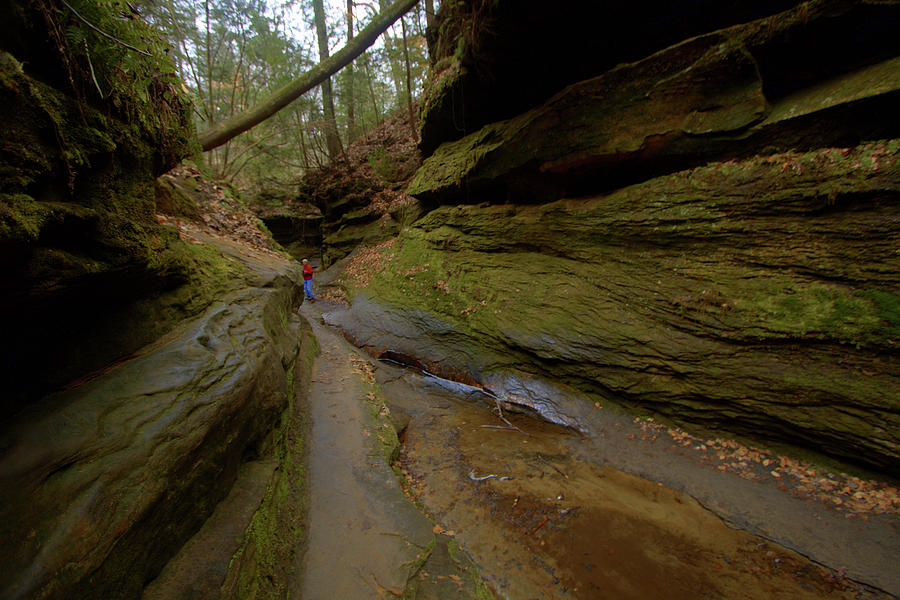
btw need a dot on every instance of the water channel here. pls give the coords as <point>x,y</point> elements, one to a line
<point>548,513</point>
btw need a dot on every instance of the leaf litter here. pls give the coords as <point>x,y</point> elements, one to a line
<point>219,215</point>
<point>855,496</point>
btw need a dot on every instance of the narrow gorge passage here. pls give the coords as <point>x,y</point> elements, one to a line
<point>638,263</point>
<point>362,531</point>
<point>365,538</point>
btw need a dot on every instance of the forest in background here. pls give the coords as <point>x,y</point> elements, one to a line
<point>233,53</point>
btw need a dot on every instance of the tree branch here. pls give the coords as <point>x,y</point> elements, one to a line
<point>241,122</point>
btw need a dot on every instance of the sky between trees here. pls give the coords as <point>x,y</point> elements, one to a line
<point>233,53</point>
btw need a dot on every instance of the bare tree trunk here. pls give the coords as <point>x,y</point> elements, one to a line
<point>409,102</point>
<point>187,56</point>
<point>224,131</point>
<point>390,45</point>
<point>372,89</point>
<point>429,12</point>
<point>331,133</point>
<point>212,110</point>
<point>209,65</point>
<point>234,85</point>
<point>351,80</point>
<point>300,128</point>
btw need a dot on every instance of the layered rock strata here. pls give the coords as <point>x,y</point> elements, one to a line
<point>758,296</point>
<point>81,251</point>
<point>746,90</point>
<point>704,228</point>
<point>103,482</point>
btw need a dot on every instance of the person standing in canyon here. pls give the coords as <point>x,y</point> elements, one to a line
<point>307,280</point>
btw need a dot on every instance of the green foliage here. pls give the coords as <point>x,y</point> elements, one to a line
<point>128,68</point>
<point>242,50</point>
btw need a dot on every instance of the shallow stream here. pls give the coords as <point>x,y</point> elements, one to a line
<point>543,514</point>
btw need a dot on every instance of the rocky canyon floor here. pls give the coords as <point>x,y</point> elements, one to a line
<point>536,511</point>
<point>480,502</point>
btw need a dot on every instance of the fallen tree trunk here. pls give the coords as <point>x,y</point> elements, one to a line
<point>241,122</point>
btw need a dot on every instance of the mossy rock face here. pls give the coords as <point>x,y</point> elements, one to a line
<point>176,196</point>
<point>261,566</point>
<point>356,230</point>
<point>86,126</point>
<point>102,483</point>
<point>759,296</point>
<point>493,59</point>
<point>720,95</point>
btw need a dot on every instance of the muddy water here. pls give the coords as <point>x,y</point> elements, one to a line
<point>541,524</point>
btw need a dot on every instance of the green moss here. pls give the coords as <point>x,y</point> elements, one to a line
<point>681,293</point>
<point>262,227</point>
<point>199,276</point>
<point>260,567</point>
<point>481,293</point>
<point>452,162</point>
<point>837,312</point>
<point>385,436</point>
<point>212,270</point>
<point>413,568</point>
<point>21,218</point>
<point>887,305</point>
<point>442,79</point>
<point>177,197</point>
<point>439,566</point>
<point>387,167</point>
<point>64,143</point>
<point>10,71</point>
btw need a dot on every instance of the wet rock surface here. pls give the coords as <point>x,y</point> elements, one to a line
<point>547,513</point>
<point>365,538</point>
<point>103,482</point>
<point>755,296</point>
<point>364,535</point>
